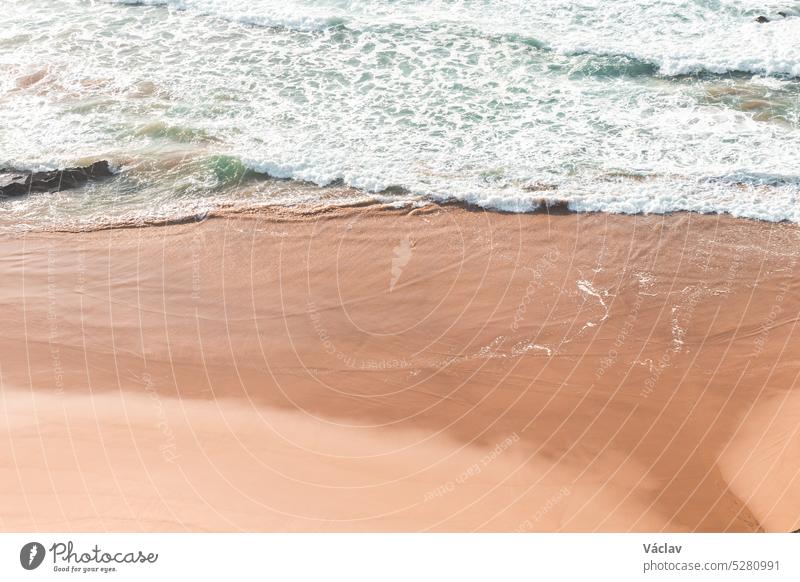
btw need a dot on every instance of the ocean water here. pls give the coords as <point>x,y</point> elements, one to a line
<point>617,105</point>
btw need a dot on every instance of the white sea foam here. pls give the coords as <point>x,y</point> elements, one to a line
<point>678,36</point>
<point>272,14</point>
<point>498,103</point>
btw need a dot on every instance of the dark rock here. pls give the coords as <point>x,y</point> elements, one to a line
<point>554,206</point>
<point>21,183</point>
<point>762,19</point>
<point>783,14</point>
<point>395,191</point>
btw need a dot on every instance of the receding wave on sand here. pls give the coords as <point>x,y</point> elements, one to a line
<point>139,195</point>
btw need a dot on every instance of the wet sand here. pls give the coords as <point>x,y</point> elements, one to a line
<point>371,369</point>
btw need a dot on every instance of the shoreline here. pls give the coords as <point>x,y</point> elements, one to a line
<point>307,211</point>
<point>375,369</point>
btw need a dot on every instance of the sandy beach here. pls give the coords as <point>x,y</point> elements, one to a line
<point>375,369</point>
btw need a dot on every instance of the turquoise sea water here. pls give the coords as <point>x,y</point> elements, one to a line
<point>622,106</point>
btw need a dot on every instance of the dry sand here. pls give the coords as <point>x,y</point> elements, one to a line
<point>371,369</point>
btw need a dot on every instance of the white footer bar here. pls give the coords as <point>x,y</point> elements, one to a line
<point>400,557</point>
